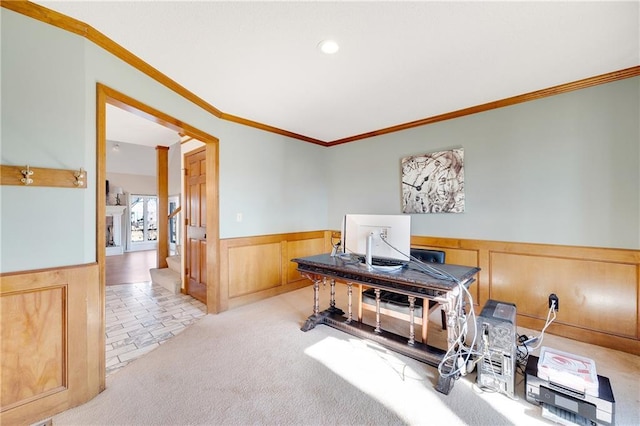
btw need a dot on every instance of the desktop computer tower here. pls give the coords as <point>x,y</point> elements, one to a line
<point>496,337</point>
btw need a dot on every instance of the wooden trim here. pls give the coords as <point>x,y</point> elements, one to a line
<point>603,254</point>
<point>271,129</point>
<point>212,161</point>
<point>422,321</point>
<point>39,176</point>
<point>271,238</point>
<point>257,267</point>
<point>174,213</point>
<point>599,287</point>
<point>184,139</point>
<point>162,183</point>
<point>44,270</point>
<point>119,99</point>
<point>101,222</point>
<point>67,23</point>
<point>142,110</point>
<point>599,311</point>
<point>531,96</point>
<point>638,306</point>
<point>56,308</point>
<point>75,26</point>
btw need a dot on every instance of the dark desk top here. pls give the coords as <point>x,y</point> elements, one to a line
<point>409,280</point>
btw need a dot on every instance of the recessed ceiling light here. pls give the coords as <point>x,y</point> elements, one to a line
<point>328,46</point>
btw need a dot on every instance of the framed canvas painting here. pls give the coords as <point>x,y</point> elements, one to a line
<point>434,182</point>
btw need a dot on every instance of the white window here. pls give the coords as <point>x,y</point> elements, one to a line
<point>174,228</point>
<point>143,223</point>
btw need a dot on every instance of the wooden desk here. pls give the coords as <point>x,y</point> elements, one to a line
<point>407,281</point>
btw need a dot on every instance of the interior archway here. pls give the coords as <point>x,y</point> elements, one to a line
<point>107,96</point>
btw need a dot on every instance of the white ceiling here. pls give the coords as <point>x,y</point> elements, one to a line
<point>398,61</point>
<point>123,126</point>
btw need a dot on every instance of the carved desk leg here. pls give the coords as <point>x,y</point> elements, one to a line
<point>425,320</point>
<point>316,318</point>
<point>332,301</point>
<point>412,313</point>
<point>377,329</point>
<point>316,296</point>
<point>350,306</point>
<point>359,302</point>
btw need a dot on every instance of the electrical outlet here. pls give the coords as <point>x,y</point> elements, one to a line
<point>383,233</point>
<point>553,300</point>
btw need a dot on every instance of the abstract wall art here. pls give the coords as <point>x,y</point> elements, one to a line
<point>434,182</point>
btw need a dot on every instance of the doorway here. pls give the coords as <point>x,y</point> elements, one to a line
<point>195,186</point>
<point>143,222</point>
<point>107,96</point>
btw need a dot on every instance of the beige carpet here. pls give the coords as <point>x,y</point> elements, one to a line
<point>253,365</point>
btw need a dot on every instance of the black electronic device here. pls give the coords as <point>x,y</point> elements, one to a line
<point>384,262</point>
<point>567,405</point>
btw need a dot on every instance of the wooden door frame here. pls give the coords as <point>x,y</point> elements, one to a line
<point>106,95</point>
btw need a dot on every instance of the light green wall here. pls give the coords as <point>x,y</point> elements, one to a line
<point>43,116</point>
<point>48,88</point>
<point>560,170</point>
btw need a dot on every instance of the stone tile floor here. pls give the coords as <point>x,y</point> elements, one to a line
<point>142,316</point>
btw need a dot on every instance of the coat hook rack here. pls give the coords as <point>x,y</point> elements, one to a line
<point>38,176</point>
<point>79,177</point>
<point>27,173</point>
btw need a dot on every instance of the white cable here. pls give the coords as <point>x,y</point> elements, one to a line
<point>458,349</point>
<point>430,270</point>
<point>547,324</point>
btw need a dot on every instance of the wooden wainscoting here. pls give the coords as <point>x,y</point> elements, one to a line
<point>254,268</point>
<point>598,288</point>
<point>50,341</point>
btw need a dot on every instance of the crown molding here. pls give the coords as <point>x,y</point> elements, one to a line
<point>531,96</point>
<point>75,26</point>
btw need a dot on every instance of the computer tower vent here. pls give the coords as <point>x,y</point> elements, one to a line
<point>497,346</point>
